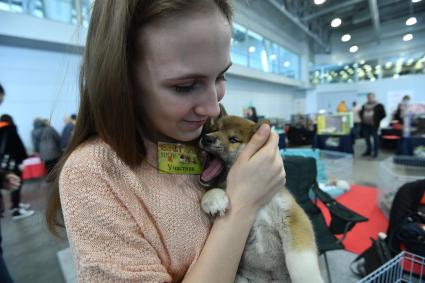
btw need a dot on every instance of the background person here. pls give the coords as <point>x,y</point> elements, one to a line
<point>372,114</point>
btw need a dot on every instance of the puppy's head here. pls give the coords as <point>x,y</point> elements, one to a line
<point>223,145</point>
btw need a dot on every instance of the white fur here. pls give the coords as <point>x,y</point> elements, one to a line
<point>303,266</point>
<point>215,201</point>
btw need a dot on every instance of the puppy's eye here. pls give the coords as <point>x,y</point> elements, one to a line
<point>233,140</point>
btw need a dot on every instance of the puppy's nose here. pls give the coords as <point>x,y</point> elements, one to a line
<point>206,140</point>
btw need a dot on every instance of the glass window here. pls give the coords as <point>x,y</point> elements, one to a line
<point>288,64</point>
<point>255,50</point>
<point>239,49</point>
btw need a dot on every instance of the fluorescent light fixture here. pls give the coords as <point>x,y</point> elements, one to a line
<point>354,48</point>
<point>273,57</point>
<point>408,37</point>
<point>345,37</point>
<point>251,49</point>
<point>411,21</point>
<point>286,64</point>
<point>416,1</point>
<point>319,2</point>
<point>337,22</point>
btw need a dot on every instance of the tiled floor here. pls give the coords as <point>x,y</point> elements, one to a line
<point>31,252</point>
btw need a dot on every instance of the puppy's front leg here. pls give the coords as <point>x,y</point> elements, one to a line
<point>215,201</point>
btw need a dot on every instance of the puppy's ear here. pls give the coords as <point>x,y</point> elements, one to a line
<point>259,123</point>
<point>211,124</point>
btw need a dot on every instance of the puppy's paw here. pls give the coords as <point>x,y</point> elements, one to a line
<point>215,202</point>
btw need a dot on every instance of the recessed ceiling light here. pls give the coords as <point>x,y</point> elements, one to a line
<point>345,37</point>
<point>286,64</point>
<point>354,48</point>
<point>251,49</point>
<point>272,57</point>
<point>319,2</point>
<point>411,21</point>
<point>407,37</point>
<point>337,22</point>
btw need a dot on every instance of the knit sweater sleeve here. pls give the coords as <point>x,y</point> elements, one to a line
<point>107,243</point>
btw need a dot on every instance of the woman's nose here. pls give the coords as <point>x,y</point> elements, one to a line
<point>208,105</point>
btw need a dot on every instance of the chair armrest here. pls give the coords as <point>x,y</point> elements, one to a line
<point>343,219</point>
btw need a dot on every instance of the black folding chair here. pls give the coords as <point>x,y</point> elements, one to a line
<point>301,178</point>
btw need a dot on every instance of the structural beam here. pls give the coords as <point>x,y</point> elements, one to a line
<point>325,11</point>
<point>298,23</point>
<point>374,14</point>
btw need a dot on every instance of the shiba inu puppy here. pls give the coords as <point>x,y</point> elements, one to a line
<point>281,245</point>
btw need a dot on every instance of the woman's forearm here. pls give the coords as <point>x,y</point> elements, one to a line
<point>219,259</point>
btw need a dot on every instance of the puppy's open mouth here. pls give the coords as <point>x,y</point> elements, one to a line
<point>212,169</point>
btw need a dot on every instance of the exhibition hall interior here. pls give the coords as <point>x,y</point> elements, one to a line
<point>340,82</point>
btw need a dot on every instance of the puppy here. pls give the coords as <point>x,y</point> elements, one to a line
<point>281,245</point>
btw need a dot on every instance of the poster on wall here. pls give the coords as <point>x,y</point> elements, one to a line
<point>395,97</point>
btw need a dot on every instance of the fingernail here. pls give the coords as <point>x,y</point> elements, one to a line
<point>263,130</point>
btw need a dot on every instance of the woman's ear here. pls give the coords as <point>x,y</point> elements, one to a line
<point>211,124</point>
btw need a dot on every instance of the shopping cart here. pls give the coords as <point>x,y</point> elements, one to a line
<point>405,267</point>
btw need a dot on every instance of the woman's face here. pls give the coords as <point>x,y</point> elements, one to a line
<point>181,72</point>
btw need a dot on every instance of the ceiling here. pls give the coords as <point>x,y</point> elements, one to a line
<point>376,18</point>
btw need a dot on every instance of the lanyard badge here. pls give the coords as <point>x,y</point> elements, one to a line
<point>175,158</point>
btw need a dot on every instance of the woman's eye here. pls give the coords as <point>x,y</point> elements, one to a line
<point>222,78</point>
<point>184,88</point>
<point>233,140</point>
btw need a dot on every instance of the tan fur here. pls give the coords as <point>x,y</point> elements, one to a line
<point>281,246</point>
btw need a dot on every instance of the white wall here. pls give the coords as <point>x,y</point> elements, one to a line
<point>38,84</point>
<point>270,100</point>
<point>330,95</point>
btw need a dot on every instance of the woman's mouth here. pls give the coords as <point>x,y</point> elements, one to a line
<point>195,123</point>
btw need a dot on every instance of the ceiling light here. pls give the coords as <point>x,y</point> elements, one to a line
<point>272,57</point>
<point>286,64</point>
<point>345,37</point>
<point>407,37</point>
<point>337,22</point>
<point>416,1</point>
<point>319,2</point>
<point>251,49</point>
<point>411,21</point>
<point>354,48</point>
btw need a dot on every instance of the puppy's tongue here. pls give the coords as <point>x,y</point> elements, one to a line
<point>212,170</point>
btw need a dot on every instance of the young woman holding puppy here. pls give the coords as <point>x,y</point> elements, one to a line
<point>153,72</point>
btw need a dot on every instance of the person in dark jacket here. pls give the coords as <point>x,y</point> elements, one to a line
<point>68,130</point>
<point>372,114</point>
<point>12,154</point>
<point>47,142</point>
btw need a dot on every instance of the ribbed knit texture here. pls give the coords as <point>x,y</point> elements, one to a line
<point>129,225</point>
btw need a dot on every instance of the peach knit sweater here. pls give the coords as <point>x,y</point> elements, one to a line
<point>128,225</point>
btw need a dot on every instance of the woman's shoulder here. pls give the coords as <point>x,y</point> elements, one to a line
<point>93,155</point>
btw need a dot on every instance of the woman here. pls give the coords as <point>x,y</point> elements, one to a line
<point>153,72</point>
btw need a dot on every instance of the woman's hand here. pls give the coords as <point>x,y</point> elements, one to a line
<point>258,173</point>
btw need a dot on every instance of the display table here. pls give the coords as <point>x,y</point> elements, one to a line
<point>344,143</point>
<point>407,145</point>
